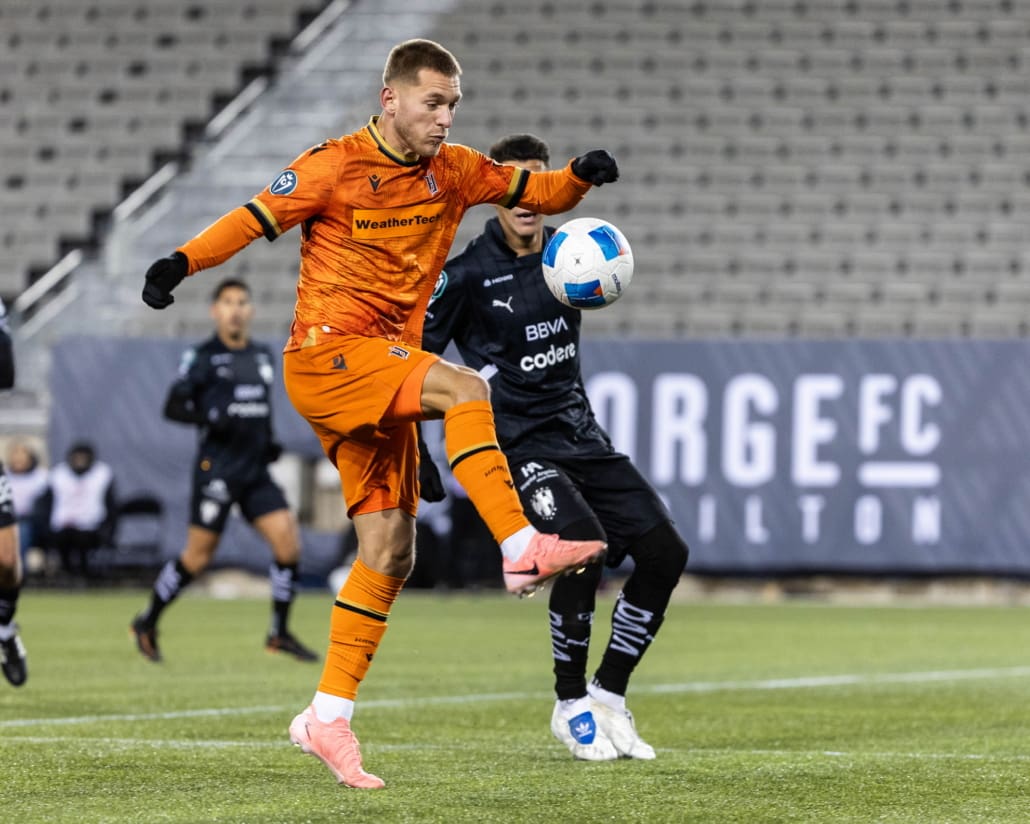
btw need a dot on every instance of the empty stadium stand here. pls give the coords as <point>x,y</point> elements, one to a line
<point>95,94</point>
<point>790,167</point>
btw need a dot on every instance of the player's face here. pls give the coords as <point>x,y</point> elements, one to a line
<point>420,115</point>
<point>522,228</point>
<point>232,313</point>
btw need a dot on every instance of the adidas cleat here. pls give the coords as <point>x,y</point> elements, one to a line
<point>582,736</point>
<point>13,659</point>
<point>336,746</point>
<point>548,556</point>
<point>286,644</point>
<point>146,639</point>
<point>619,727</point>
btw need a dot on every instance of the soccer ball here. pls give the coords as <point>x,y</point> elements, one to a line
<point>587,263</point>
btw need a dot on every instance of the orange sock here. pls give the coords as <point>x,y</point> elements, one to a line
<point>356,628</point>
<point>479,465</point>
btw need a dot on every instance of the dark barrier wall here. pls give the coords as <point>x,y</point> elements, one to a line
<point>885,456</point>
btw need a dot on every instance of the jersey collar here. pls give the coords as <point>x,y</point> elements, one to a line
<point>373,129</point>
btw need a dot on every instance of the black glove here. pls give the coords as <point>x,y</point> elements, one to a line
<point>429,481</point>
<point>162,277</point>
<point>596,166</point>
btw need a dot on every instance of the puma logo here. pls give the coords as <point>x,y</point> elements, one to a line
<point>503,304</point>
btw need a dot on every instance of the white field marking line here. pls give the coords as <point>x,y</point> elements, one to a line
<point>803,682</point>
<point>197,744</point>
<point>205,744</point>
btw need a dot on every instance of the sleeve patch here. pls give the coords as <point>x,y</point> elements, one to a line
<point>284,184</point>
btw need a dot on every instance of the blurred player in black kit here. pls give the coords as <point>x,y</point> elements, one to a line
<point>491,300</point>
<point>12,651</point>
<point>224,388</point>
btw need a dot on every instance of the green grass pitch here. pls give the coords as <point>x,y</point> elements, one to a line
<point>777,713</point>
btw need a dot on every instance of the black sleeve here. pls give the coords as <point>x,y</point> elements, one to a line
<point>6,360</point>
<point>181,404</point>
<point>446,309</point>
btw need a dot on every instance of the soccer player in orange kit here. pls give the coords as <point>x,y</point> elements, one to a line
<point>379,209</point>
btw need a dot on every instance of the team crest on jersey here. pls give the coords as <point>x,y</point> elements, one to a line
<point>265,369</point>
<point>431,183</point>
<point>399,352</point>
<point>441,284</point>
<point>209,510</point>
<point>284,184</point>
<point>543,503</point>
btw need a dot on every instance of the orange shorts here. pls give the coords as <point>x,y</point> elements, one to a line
<point>362,397</point>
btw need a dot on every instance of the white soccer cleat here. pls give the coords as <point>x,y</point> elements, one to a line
<point>581,735</point>
<point>619,728</point>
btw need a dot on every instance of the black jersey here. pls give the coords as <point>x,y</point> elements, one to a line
<point>507,325</point>
<point>227,393</point>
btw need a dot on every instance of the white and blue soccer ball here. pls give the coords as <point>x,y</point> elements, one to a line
<point>588,263</point>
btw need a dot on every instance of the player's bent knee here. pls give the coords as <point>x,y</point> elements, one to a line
<point>662,552</point>
<point>448,384</point>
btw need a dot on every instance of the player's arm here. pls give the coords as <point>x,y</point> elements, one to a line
<point>446,312</point>
<point>550,192</point>
<point>182,404</point>
<point>297,193</point>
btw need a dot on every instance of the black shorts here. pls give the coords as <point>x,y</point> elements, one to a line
<point>6,500</point>
<point>607,489</point>
<point>213,497</point>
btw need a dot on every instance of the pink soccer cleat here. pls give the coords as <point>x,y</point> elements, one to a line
<point>335,746</point>
<point>545,557</point>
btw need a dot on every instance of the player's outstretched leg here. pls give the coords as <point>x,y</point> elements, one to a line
<point>335,745</point>
<point>530,558</point>
<point>660,557</point>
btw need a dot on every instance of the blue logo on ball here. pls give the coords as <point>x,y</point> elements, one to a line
<point>585,295</point>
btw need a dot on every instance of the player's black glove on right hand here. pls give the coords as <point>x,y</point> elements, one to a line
<point>596,166</point>
<point>429,481</point>
<point>162,277</point>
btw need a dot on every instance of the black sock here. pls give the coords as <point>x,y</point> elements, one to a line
<point>171,580</point>
<point>660,557</point>
<point>571,611</point>
<point>8,604</point>
<point>284,588</point>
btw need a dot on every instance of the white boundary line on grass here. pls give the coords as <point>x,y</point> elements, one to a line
<point>803,682</point>
<point>215,744</point>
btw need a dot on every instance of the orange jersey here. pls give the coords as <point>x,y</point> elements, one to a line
<point>377,228</point>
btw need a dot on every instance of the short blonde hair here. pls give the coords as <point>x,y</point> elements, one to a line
<point>407,59</point>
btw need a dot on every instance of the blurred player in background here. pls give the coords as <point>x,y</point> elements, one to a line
<point>379,209</point>
<point>567,474</point>
<point>13,659</point>
<point>224,388</point>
